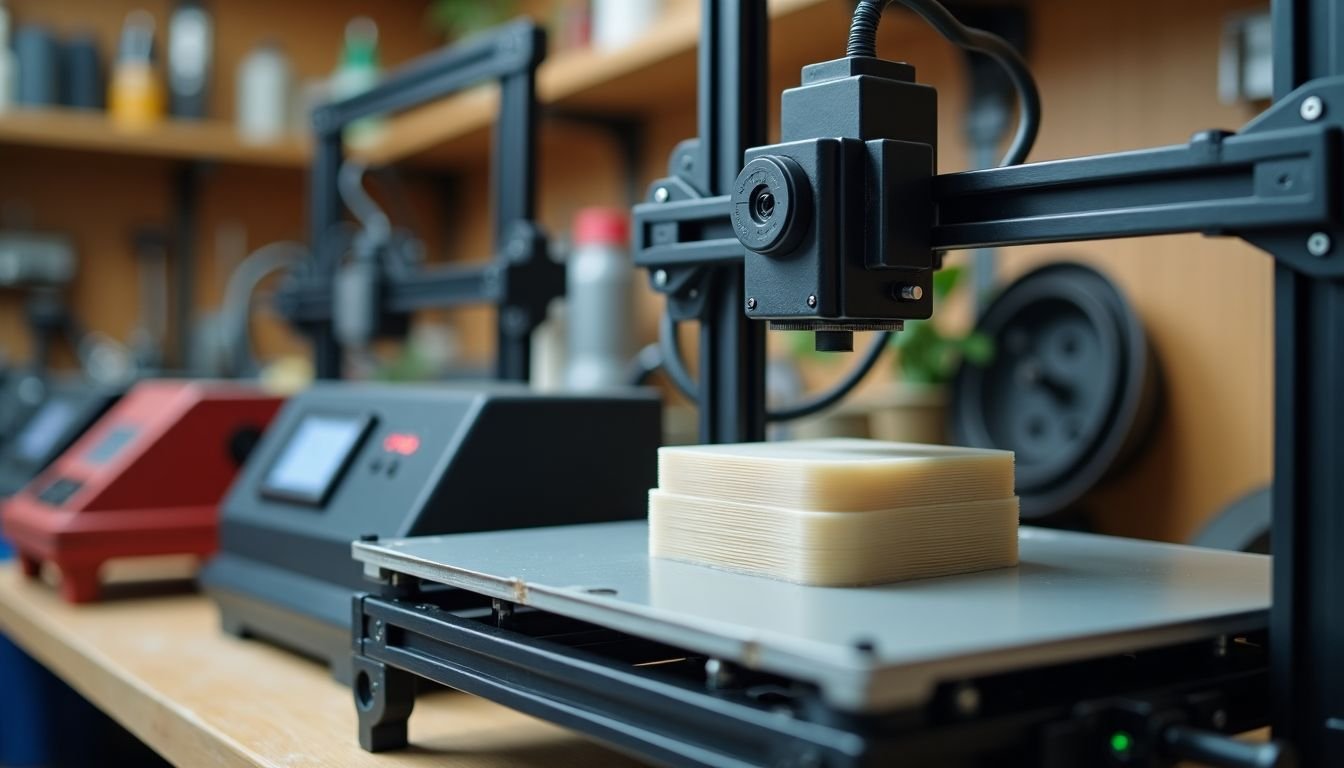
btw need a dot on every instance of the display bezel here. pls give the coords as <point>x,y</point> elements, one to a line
<point>364,423</point>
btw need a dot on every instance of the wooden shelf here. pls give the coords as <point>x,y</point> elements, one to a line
<point>204,140</point>
<point>159,665</point>
<point>637,80</point>
<point>642,78</point>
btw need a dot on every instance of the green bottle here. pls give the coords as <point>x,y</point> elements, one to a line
<point>356,73</point>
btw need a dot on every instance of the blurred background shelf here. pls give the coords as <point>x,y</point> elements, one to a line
<point>634,82</point>
<point>197,140</point>
<point>1105,71</point>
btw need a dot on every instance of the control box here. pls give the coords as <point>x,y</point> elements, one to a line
<point>68,409</point>
<point>349,461</point>
<point>145,480</point>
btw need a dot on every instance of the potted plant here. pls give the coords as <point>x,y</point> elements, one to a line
<point>926,358</point>
<point>460,18</point>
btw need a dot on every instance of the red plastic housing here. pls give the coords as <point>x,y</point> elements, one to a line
<point>146,479</point>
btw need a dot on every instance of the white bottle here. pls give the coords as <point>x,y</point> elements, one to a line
<point>191,46</point>
<point>599,277</point>
<point>618,23</point>
<point>265,85</point>
<point>9,66</point>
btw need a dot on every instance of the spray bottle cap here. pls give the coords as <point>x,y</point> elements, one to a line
<point>602,226</point>
<point>361,43</point>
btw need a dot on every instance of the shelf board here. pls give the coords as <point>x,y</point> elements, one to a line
<point>640,79</point>
<point>637,80</point>
<point>203,140</point>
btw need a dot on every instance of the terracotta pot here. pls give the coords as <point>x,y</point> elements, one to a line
<point>845,420</point>
<point>908,413</point>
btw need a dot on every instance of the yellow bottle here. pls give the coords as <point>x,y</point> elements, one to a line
<point>136,96</point>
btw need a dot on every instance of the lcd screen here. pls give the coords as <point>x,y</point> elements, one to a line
<point>44,430</point>
<point>111,445</point>
<point>311,462</point>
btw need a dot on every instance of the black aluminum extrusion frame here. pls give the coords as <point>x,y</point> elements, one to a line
<point>1276,184</point>
<point>657,701</point>
<point>521,279</point>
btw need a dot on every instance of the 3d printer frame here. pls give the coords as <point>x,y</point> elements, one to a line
<point>1275,184</point>
<point>521,279</point>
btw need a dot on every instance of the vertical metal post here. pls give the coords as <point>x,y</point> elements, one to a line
<point>513,191</point>
<point>733,81</point>
<point>184,246</point>
<point>1307,615</point>
<point>324,211</point>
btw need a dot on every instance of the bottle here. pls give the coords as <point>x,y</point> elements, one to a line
<point>190,48</point>
<point>598,279</point>
<point>135,96</point>
<point>265,85</point>
<point>618,23</point>
<point>82,84</point>
<point>9,69</point>
<point>356,73</point>
<point>39,57</point>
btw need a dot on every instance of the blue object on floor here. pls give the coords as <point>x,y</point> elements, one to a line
<point>23,709</point>
<point>25,705</point>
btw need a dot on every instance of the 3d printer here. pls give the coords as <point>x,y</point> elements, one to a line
<point>350,460</point>
<point>835,229</point>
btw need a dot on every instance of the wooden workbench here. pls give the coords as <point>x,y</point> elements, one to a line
<point>158,664</point>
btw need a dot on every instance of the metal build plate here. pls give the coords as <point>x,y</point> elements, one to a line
<point>1074,596</point>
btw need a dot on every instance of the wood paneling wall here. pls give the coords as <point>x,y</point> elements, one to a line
<point>1114,75</point>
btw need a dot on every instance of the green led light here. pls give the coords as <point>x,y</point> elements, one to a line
<point>1121,742</point>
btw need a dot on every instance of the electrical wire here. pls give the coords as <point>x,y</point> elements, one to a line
<point>673,363</point>
<point>863,42</point>
<point>236,307</point>
<point>648,361</point>
<point>835,394</point>
<point>674,366</point>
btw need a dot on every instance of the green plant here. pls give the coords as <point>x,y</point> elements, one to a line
<point>926,355</point>
<point>459,18</point>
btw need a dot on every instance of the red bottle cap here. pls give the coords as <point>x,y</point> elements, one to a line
<point>602,226</point>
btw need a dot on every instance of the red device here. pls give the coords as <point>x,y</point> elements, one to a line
<point>146,479</point>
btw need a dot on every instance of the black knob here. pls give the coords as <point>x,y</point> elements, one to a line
<point>835,341</point>
<point>241,443</point>
<point>772,204</point>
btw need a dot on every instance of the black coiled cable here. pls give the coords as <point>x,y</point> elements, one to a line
<point>863,42</point>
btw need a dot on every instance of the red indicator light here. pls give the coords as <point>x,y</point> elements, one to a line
<point>401,443</point>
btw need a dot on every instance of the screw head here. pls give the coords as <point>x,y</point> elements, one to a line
<point>718,674</point>
<point>660,278</point>
<point>1312,108</point>
<point>968,700</point>
<point>751,302</point>
<point>660,195</point>
<point>812,301</point>
<point>910,293</point>
<point>1318,244</point>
